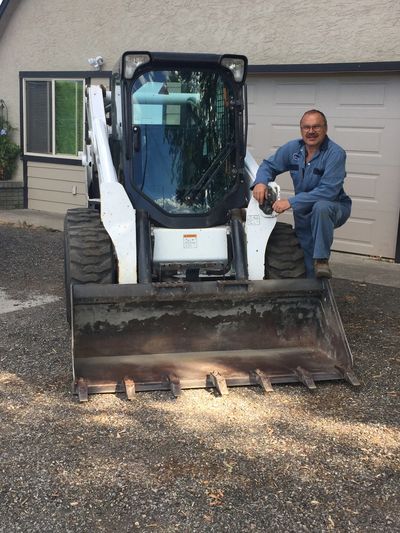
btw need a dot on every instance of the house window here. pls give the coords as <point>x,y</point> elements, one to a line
<point>54,117</point>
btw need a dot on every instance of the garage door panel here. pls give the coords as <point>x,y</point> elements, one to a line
<point>265,134</point>
<point>260,141</point>
<point>257,91</point>
<point>357,229</point>
<point>361,185</point>
<point>351,246</point>
<point>280,132</point>
<point>375,140</point>
<point>360,140</point>
<point>364,235</point>
<point>378,99</point>
<point>298,94</point>
<point>375,162</point>
<point>362,93</point>
<point>387,194</point>
<point>282,99</point>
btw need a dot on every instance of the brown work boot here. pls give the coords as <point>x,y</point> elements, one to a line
<point>321,268</point>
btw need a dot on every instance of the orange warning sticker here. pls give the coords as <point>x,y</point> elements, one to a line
<point>190,240</point>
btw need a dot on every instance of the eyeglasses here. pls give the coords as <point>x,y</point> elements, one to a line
<point>309,128</point>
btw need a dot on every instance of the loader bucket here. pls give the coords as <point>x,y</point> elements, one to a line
<point>172,336</point>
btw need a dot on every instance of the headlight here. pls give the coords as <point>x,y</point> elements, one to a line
<point>132,62</point>
<point>237,65</point>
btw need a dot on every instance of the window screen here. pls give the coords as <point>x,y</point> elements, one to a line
<point>38,116</point>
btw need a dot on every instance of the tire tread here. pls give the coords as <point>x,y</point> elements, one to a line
<point>284,257</point>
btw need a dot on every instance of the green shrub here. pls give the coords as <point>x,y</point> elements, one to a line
<point>9,151</point>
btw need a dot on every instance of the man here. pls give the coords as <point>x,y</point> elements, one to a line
<point>317,167</point>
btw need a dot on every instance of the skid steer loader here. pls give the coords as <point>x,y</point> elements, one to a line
<point>175,277</point>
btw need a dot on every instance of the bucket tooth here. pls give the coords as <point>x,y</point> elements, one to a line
<point>263,381</point>
<point>129,386</point>
<point>306,378</point>
<point>349,376</point>
<point>82,390</point>
<point>175,385</point>
<point>219,383</point>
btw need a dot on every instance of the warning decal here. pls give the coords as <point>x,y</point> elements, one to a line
<point>190,240</point>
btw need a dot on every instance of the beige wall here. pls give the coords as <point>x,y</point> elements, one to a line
<point>56,188</point>
<point>59,35</point>
<point>62,35</point>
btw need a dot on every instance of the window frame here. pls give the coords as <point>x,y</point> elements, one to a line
<point>52,80</point>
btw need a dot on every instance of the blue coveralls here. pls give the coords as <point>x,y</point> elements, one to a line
<point>320,204</point>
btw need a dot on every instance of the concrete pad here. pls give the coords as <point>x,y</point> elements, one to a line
<point>365,269</point>
<point>31,217</point>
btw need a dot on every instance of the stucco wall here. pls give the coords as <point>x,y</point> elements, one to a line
<point>59,35</point>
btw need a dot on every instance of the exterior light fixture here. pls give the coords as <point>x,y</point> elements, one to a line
<point>96,62</point>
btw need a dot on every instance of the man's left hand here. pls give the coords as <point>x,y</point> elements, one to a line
<point>280,206</point>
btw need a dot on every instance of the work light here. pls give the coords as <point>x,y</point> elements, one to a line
<point>236,65</point>
<point>132,62</point>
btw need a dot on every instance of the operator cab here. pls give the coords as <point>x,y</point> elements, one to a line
<point>178,120</point>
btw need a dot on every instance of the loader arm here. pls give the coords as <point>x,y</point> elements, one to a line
<point>117,212</point>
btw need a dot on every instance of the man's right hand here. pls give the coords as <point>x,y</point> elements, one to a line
<point>259,192</point>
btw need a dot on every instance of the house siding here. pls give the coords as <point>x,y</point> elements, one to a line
<point>56,188</point>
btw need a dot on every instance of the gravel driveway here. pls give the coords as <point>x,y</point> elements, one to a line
<point>288,461</point>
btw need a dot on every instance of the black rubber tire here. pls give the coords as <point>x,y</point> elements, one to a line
<point>88,251</point>
<point>284,257</point>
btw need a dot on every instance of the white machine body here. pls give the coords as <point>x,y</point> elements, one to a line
<point>117,212</point>
<point>201,245</point>
<point>173,246</point>
<point>258,226</point>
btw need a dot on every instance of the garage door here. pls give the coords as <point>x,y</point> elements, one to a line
<point>363,114</point>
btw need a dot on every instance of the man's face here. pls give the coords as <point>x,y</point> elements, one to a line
<point>313,130</point>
